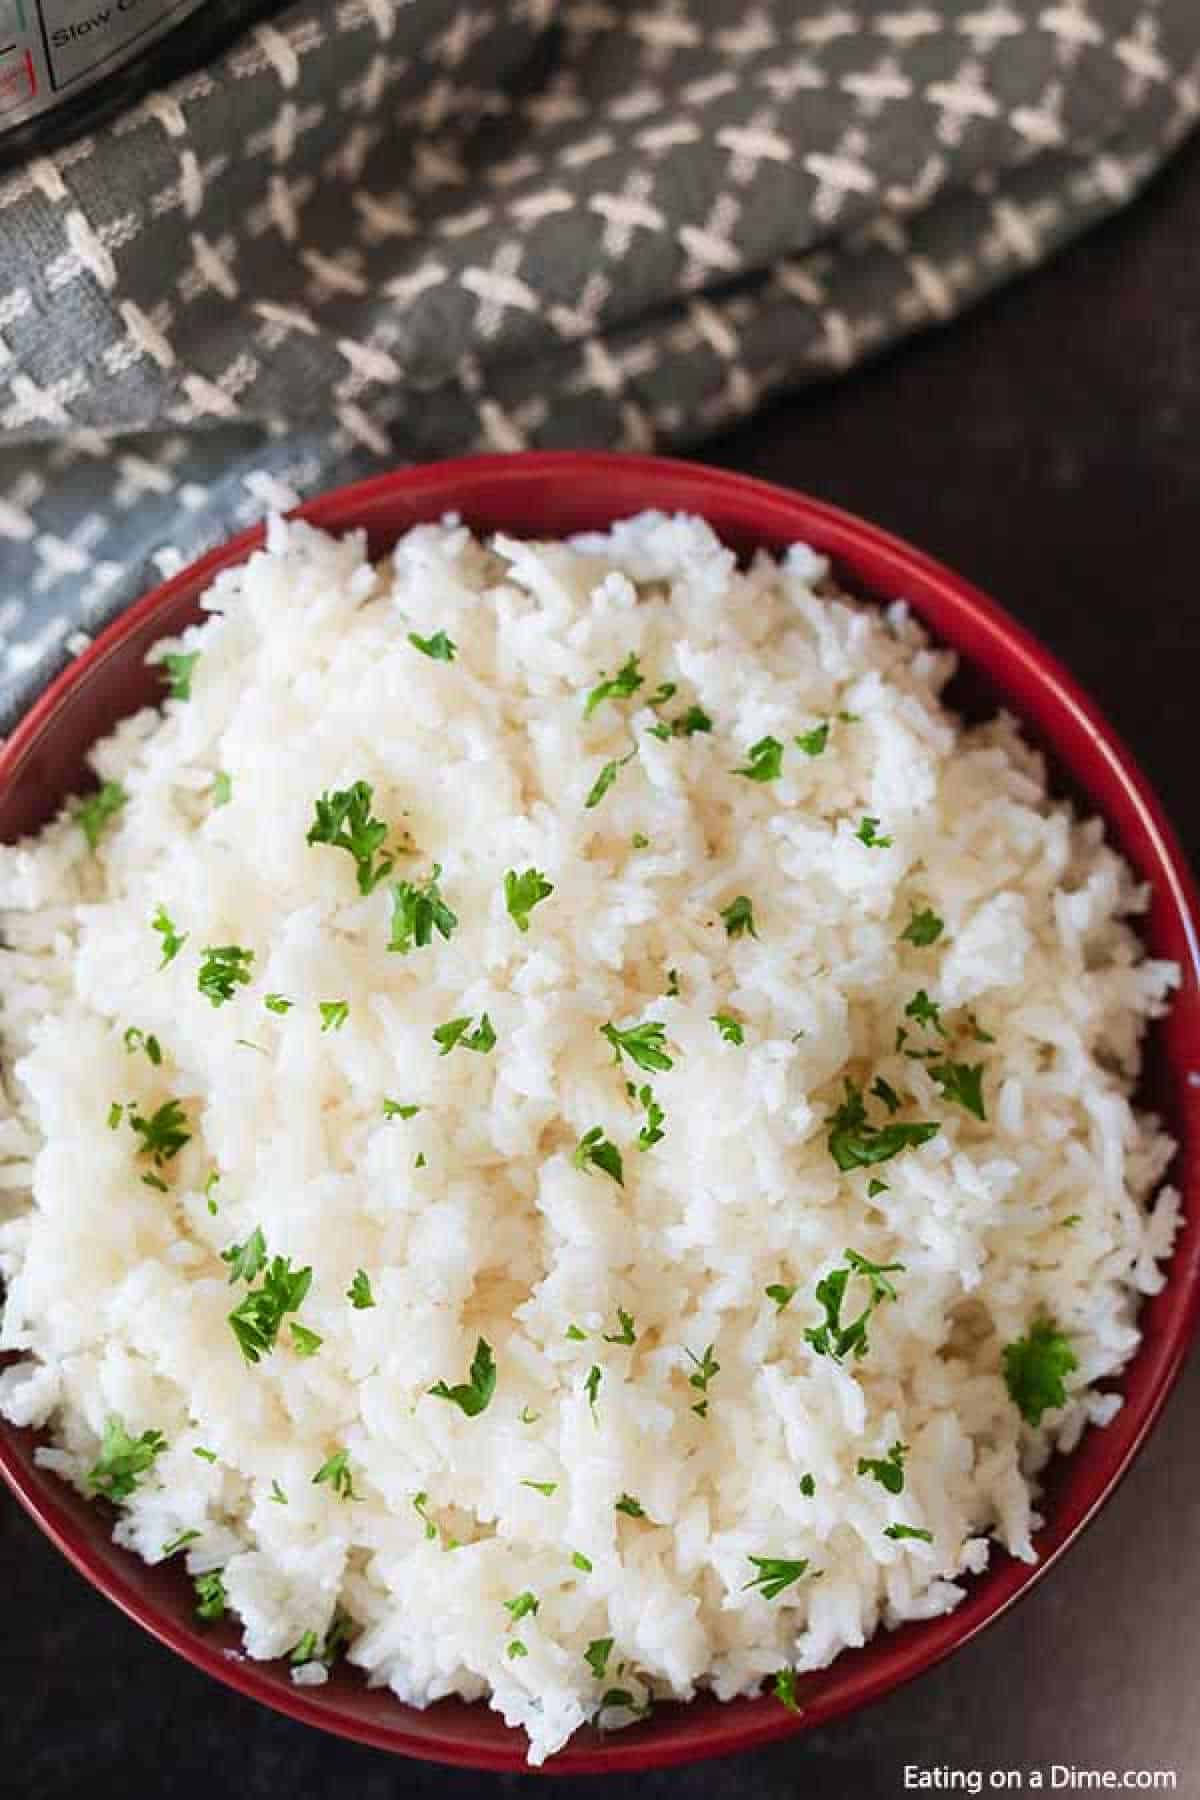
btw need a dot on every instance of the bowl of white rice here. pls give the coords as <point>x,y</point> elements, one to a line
<point>598,1147</point>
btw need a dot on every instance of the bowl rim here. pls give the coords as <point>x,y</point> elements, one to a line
<point>769,512</point>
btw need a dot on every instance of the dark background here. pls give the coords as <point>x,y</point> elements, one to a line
<point>1048,446</point>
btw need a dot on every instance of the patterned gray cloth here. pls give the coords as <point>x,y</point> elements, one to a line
<point>378,230</point>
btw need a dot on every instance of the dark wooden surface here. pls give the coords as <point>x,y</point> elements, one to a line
<point>1049,447</point>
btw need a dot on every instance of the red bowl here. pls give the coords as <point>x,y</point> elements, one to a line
<point>549,495</point>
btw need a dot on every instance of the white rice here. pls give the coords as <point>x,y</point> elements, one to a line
<point>118,1299</point>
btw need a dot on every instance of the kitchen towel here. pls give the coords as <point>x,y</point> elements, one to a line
<point>382,230</point>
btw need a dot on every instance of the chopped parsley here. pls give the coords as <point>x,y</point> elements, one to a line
<point>455,1031</point>
<point>689,723</point>
<point>473,1395</point>
<point>396,1109</point>
<point>336,1472</point>
<point>224,969</point>
<point>739,917</point>
<point>172,940</point>
<point>359,1292</point>
<point>420,1502</point>
<point>764,761</point>
<point>977,1032</point>
<point>527,1416</point>
<point>417,912</point>
<point>926,1012</point>
<point>627,680</point>
<point>898,1532</point>
<point>651,1132</point>
<point>211,1598</point>
<point>640,841</point>
<point>868,834</point>
<point>177,1543</point>
<point>633,1509</point>
<point>875,1186</point>
<point>210,1182</point>
<point>247,1261</point>
<point>277,1494</point>
<point>523,1606</point>
<point>208,1456</point>
<point>614,1697</point>
<point>887,1470</point>
<point>123,1460</point>
<point>98,810</point>
<point>963,1083</point>
<point>642,1044</point>
<point>141,1040</point>
<point>672,983</point>
<point>784,1689</point>
<point>854,1143</point>
<point>596,1656</point>
<point>163,1134</point>
<point>729,1028</point>
<point>594,1148</point>
<point>541,1487</point>
<point>627,1334</point>
<point>808,1486</point>
<point>813,742</point>
<point>304,1341</point>
<point>780,1293</point>
<point>883,1090</point>
<point>180,665</point>
<point>334,1014</point>
<point>606,777</point>
<point>774,1574</point>
<point>156,1181</point>
<point>666,690</point>
<point>591,1386</point>
<point>516,1648</point>
<point>116,1113</point>
<point>256,1319</point>
<point>923,928</point>
<point>834,1337</point>
<point>576,1335</point>
<point>707,1367</point>
<point>1034,1370</point>
<point>343,819</point>
<point>222,788</point>
<point>278,1003</point>
<point>523,892</point>
<point>580,1561</point>
<point>439,647</point>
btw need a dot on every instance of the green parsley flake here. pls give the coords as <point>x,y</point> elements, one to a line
<point>672,983</point>
<point>256,1320</point>
<point>177,1543</point>
<point>627,1334</point>
<point>633,1509</point>
<point>887,1470</point>
<point>739,917</point>
<point>784,1689</point>
<point>765,761</point>
<point>172,941</point>
<point>606,777</point>
<point>868,834</point>
<point>774,1574</point>
<point>666,690</point>
<point>247,1261</point>
<point>523,892</point>
<point>156,1181</point>
<point>523,1606</point>
<point>689,723</point>
<point>1034,1370</point>
<point>923,928</point>
<point>883,1090</point>
<point>642,1044</point>
<point>420,1502</point>
<point>396,1109</point>
<point>580,1561</point>
<point>875,1186</point>
<point>640,841</point>
<point>651,1132</point>
<point>898,1532</point>
<point>627,680</point>
<point>222,788</point>
<point>576,1334</point>
<point>208,1456</point>
<point>116,1113</point>
<point>516,1648</point>
<point>834,1338</point>
<point>180,665</point>
<point>417,912</point>
<point>780,1293</point>
<point>813,742</point>
<point>334,1014</point>
<point>594,1148</point>
<point>343,819</point>
<point>277,1494</point>
<point>962,1083</point>
<point>211,1598</point>
<point>439,647</point>
<point>926,1012</point>
<point>527,1416</point>
<point>808,1486</point>
<point>224,969</point>
<point>359,1292</point>
<point>597,1654</point>
<point>455,1031</point>
<point>336,1472</point>
<point>95,813</point>
<point>304,1341</point>
<point>278,1003</point>
<point>474,1395</point>
<point>123,1460</point>
<point>140,1040</point>
<point>854,1143</point>
<point>591,1386</point>
<point>163,1134</point>
<point>541,1487</point>
<point>729,1028</point>
<point>706,1368</point>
